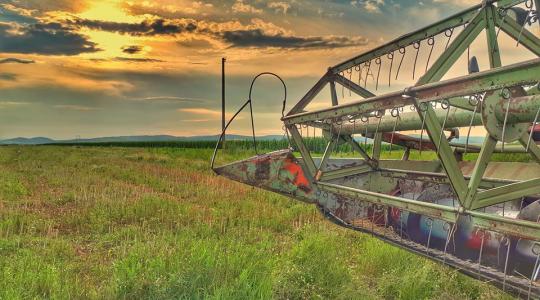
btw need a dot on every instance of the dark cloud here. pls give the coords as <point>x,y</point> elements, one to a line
<point>133,49</point>
<point>132,59</point>
<point>237,38</point>
<point>46,39</point>
<point>16,60</point>
<point>8,76</point>
<point>258,38</point>
<point>144,28</point>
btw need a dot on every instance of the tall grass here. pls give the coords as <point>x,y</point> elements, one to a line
<point>155,223</point>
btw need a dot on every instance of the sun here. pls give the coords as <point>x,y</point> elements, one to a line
<point>108,10</point>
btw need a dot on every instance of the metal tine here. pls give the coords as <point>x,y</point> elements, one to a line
<point>430,42</point>
<point>534,274</point>
<point>502,13</point>
<point>482,236</point>
<point>448,33</point>
<point>429,221</point>
<point>508,243</point>
<point>451,232</point>
<point>365,120</point>
<point>416,45</point>
<point>532,129</point>
<point>529,5</point>
<point>472,120</point>
<point>385,220</point>
<point>445,104</point>
<point>368,65</point>
<point>358,69</point>
<point>377,128</point>
<point>390,56</point>
<point>395,114</point>
<point>379,63</point>
<point>423,123</point>
<point>402,50</point>
<point>349,71</point>
<point>505,93</point>
<point>400,225</point>
<point>342,86</point>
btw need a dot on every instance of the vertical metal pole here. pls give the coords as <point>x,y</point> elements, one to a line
<point>223,99</point>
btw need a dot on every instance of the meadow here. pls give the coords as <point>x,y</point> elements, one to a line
<point>156,223</point>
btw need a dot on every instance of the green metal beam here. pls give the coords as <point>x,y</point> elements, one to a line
<point>479,169</point>
<point>333,93</point>
<point>359,149</point>
<point>353,86</point>
<point>455,49</point>
<point>340,173</point>
<point>513,29</point>
<point>307,160</point>
<point>308,97</point>
<point>533,149</point>
<point>507,193</point>
<point>490,143</point>
<point>513,227</point>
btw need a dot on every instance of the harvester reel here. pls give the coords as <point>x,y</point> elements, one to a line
<point>481,216</point>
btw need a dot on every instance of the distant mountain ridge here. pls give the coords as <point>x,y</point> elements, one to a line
<point>136,138</point>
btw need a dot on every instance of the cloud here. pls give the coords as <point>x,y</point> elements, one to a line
<point>16,60</point>
<point>208,113</point>
<point>148,27</point>
<point>76,107</point>
<point>50,5</point>
<point>133,49</point>
<point>279,7</point>
<point>258,38</point>
<point>240,7</point>
<point>133,59</point>
<point>258,33</point>
<point>373,6</point>
<point>8,76</point>
<point>171,99</point>
<point>4,104</point>
<point>46,39</point>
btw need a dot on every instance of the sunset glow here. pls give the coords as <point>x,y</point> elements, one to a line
<point>154,66</point>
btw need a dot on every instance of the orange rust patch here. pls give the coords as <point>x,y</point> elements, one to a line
<point>300,179</point>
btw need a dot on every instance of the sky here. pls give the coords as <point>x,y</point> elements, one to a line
<point>93,68</point>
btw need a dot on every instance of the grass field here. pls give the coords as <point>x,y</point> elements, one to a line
<point>156,223</point>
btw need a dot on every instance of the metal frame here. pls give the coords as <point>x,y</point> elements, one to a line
<point>472,193</point>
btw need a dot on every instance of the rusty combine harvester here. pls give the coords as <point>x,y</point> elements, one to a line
<point>481,217</point>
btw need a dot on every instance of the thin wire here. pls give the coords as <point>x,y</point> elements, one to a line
<point>448,33</point>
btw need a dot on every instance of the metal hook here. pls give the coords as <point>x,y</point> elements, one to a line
<point>379,63</point>
<point>395,114</point>
<point>505,93</point>
<point>390,56</point>
<point>401,50</point>
<point>430,42</point>
<point>532,129</point>
<point>416,45</point>
<point>429,222</point>
<point>448,33</point>
<point>368,65</point>
<point>349,71</point>
<point>475,104</point>
<point>445,104</point>
<point>358,69</point>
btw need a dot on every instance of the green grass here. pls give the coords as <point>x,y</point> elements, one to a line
<point>132,223</point>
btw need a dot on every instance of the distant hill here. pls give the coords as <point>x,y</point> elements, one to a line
<point>140,138</point>
<point>27,141</point>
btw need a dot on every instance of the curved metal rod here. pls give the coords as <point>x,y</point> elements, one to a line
<point>249,101</point>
